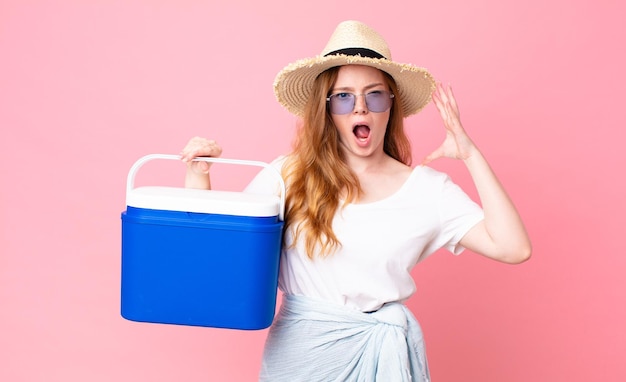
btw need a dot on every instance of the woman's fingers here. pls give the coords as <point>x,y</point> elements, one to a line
<point>456,144</point>
<point>452,101</point>
<point>446,105</point>
<point>434,155</point>
<point>200,147</point>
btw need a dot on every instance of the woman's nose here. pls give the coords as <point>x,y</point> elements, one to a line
<point>360,106</point>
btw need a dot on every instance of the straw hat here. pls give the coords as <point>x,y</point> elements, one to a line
<point>353,42</point>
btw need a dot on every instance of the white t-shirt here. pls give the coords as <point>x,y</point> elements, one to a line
<point>380,241</point>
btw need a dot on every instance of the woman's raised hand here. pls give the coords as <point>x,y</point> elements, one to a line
<point>199,147</point>
<point>197,175</point>
<point>457,144</point>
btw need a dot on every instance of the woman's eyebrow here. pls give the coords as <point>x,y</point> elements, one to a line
<point>348,88</point>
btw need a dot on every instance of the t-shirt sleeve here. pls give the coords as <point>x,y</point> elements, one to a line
<point>458,213</point>
<point>266,181</point>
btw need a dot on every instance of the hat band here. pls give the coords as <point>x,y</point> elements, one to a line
<point>363,52</point>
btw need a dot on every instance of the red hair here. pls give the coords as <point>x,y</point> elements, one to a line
<point>316,172</point>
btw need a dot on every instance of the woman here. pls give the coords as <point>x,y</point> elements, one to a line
<point>359,217</point>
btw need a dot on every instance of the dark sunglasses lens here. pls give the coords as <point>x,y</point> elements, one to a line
<point>378,102</point>
<point>341,103</point>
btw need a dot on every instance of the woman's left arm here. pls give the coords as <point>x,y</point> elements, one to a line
<point>501,235</point>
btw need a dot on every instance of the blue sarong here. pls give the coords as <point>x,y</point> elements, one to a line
<point>314,341</point>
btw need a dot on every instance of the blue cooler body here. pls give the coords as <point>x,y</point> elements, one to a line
<point>200,257</point>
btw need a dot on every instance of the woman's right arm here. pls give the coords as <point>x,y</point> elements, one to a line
<point>197,175</point>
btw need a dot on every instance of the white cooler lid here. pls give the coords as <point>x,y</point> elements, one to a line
<point>203,201</point>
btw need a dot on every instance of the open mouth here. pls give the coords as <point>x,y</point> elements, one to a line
<point>362,132</point>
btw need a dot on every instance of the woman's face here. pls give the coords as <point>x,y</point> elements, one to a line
<point>361,130</point>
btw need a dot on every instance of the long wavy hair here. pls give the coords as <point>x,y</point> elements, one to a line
<point>316,171</point>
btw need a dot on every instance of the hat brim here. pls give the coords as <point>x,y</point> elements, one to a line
<point>293,84</point>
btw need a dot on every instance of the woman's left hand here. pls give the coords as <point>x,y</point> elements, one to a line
<point>457,144</point>
<point>501,235</point>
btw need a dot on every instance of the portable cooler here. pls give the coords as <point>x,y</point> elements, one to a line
<point>200,257</point>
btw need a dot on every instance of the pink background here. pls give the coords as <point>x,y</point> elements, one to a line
<point>86,88</point>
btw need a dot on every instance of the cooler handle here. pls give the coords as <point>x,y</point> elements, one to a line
<point>130,182</point>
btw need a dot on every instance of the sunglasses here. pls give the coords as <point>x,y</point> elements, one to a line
<point>377,101</point>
